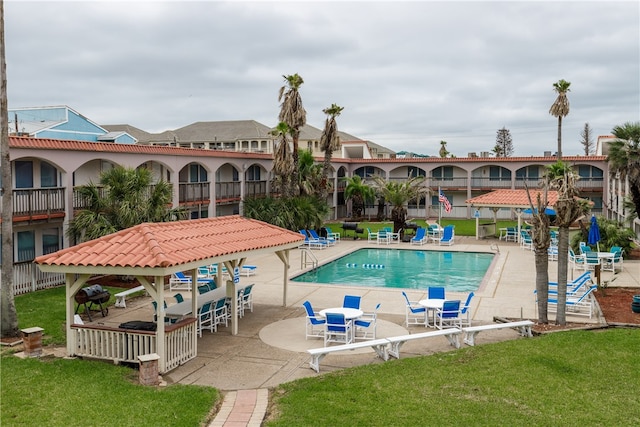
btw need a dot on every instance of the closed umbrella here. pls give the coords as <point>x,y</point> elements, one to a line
<point>594,233</point>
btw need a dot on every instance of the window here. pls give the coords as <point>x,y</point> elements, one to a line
<point>236,176</point>
<point>590,172</point>
<point>253,173</point>
<point>414,171</point>
<point>48,175</point>
<point>528,173</point>
<point>50,240</point>
<point>443,173</point>
<point>197,173</point>
<point>24,174</point>
<point>414,205</point>
<point>365,172</point>
<point>26,246</point>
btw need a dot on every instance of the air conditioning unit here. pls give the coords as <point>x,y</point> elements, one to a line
<point>473,154</point>
<point>485,154</point>
<point>547,153</point>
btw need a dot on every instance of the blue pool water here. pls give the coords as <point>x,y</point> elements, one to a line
<point>402,268</point>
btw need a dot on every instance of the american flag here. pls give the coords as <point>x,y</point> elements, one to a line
<point>443,199</point>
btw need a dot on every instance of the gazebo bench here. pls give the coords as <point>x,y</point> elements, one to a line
<point>121,296</point>
<point>524,327</point>
<point>451,334</point>
<point>317,354</point>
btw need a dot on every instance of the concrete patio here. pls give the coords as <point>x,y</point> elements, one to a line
<point>270,346</point>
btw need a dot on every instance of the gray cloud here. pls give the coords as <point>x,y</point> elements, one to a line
<point>409,74</point>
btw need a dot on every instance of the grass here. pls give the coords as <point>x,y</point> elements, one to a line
<point>86,392</point>
<point>62,392</point>
<point>584,378</point>
<point>463,227</point>
<point>46,309</point>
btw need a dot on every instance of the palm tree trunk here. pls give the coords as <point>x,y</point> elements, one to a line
<point>295,187</point>
<point>9,320</point>
<point>542,283</point>
<point>563,262</point>
<point>559,137</point>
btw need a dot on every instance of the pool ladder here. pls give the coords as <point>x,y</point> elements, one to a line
<point>308,258</point>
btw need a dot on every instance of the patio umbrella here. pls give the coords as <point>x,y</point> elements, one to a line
<point>547,211</point>
<point>594,233</point>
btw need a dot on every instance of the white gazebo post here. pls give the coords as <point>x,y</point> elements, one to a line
<point>519,213</point>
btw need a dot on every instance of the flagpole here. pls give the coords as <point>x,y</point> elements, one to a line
<point>439,203</point>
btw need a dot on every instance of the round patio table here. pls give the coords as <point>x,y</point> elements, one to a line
<point>431,305</point>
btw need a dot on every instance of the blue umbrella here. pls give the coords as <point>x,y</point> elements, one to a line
<point>594,232</point>
<point>547,211</point>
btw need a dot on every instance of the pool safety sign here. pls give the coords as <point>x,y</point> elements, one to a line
<point>236,275</point>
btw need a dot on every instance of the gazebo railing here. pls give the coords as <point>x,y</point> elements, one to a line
<point>124,345</point>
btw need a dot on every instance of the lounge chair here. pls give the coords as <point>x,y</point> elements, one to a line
<point>312,243</point>
<point>179,298</point>
<point>248,270</point>
<point>415,314</point>
<point>420,238</point>
<point>365,325</point>
<point>449,315</point>
<point>573,287</point>
<point>447,236</point>
<point>338,329</point>
<point>312,326</point>
<point>182,282</point>
<point>314,236</point>
<point>580,305</point>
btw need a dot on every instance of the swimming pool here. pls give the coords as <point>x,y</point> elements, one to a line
<point>403,268</point>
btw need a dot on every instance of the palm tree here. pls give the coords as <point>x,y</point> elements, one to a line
<point>560,108</point>
<point>443,149</point>
<point>399,194</point>
<point>624,158</point>
<point>329,142</point>
<point>293,114</point>
<point>310,175</point>
<point>9,320</point>
<point>282,161</point>
<point>359,192</point>
<point>541,239</point>
<point>562,178</point>
<point>125,197</point>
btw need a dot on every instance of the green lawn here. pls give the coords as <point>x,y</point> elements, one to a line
<point>463,227</point>
<point>579,378</point>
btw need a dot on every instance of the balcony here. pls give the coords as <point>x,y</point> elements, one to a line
<point>530,182</point>
<point>194,192</point>
<point>591,184</point>
<point>227,192</point>
<point>490,183</point>
<point>38,204</point>
<point>255,189</point>
<point>452,183</point>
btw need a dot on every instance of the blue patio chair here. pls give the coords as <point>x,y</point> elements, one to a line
<point>155,313</point>
<point>314,236</point>
<point>581,304</point>
<point>179,298</point>
<point>205,318</point>
<point>312,328</point>
<point>466,310</point>
<point>449,315</point>
<point>338,329</point>
<point>365,325</point>
<point>220,314</point>
<point>351,301</point>
<point>247,298</point>
<point>448,236</point>
<point>420,237</point>
<point>436,292</point>
<point>611,262</point>
<point>574,286</point>
<point>332,235</point>
<point>525,240</point>
<point>414,314</point>
<point>576,261</point>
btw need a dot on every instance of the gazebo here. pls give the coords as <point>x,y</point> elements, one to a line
<point>158,250</point>
<point>514,199</point>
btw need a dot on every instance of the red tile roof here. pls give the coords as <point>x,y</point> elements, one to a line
<point>511,198</point>
<point>110,147</point>
<point>167,244</point>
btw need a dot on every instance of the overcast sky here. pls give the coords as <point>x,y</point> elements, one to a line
<point>408,74</point>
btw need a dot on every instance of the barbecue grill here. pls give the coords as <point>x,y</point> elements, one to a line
<point>352,226</point>
<point>91,295</point>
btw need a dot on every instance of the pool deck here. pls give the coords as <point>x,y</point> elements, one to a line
<point>260,356</point>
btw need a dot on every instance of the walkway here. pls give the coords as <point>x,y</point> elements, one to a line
<point>242,408</point>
